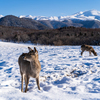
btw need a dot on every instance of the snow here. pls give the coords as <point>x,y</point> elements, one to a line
<point>86,15</point>
<point>65,74</point>
<point>82,15</point>
<point>1,16</point>
<point>22,16</point>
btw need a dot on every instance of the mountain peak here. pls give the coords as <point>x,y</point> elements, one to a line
<point>1,16</point>
<point>86,15</point>
<point>91,13</point>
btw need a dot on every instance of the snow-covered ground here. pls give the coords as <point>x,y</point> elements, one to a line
<point>65,74</point>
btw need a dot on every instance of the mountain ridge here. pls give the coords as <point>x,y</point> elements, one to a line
<point>85,15</point>
<point>87,19</point>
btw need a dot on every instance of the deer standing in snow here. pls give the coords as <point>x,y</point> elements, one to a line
<point>88,48</point>
<point>29,67</point>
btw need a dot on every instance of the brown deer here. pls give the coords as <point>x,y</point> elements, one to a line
<point>88,48</point>
<point>29,67</point>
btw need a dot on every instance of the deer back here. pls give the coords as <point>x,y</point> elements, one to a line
<point>86,47</point>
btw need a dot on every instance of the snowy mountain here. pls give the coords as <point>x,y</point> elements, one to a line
<point>88,19</point>
<point>86,15</point>
<point>40,17</point>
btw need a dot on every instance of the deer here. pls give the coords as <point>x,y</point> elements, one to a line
<point>29,66</point>
<point>88,48</point>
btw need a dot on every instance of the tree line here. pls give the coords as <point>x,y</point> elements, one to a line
<point>61,36</point>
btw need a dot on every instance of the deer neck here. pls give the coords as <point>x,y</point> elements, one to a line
<point>34,63</point>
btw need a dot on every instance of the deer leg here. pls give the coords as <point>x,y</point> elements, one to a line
<point>90,53</point>
<point>26,82</point>
<point>22,80</point>
<point>82,52</point>
<point>37,81</point>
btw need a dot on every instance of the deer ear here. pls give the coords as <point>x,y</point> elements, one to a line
<point>35,49</point>
<point>29,49</point>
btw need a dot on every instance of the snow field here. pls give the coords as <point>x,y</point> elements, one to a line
<point>65,74</point>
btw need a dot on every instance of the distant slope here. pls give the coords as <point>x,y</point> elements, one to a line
<point>74,22</point>
<point>11,20</point>
<point>87,23</point>
<point>59,24</point>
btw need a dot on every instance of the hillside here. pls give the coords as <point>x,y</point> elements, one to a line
<point>11,20</point>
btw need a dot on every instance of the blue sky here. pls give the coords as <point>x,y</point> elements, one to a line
<point>46,7</point>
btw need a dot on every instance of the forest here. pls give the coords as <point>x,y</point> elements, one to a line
<point>61,36</point>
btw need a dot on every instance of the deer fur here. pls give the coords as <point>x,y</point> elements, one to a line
<point>88,48</point>
<point>29,67</point>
